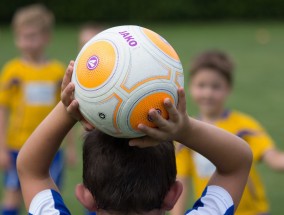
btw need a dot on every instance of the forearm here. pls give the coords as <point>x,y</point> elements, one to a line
<point>230,154</point>
<point>37,153</point>
<point>3,112</point>
<point>217,145</point>
<point>274,159</point>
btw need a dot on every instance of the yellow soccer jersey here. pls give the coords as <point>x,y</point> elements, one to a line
<point>254,200</point>
<point>29,93</point>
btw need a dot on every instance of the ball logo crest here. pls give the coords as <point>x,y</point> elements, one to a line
<point>93,62</point>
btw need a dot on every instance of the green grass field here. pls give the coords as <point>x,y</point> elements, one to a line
<point>258,50</point>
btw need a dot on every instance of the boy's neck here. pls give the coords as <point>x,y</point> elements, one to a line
<point>153,212</point>
<point>34,58</point>
<point>213,116</point>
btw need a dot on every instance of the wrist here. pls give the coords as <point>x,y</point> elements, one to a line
<point>186,131</point>
<point>66,115</point>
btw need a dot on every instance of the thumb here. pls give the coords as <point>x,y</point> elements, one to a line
<point>143,142</point>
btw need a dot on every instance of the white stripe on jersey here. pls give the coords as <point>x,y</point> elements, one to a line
<point>215,200</point>
<point>48,202</point>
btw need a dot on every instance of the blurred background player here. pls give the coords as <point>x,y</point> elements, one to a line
<point>29,89</point>
<point>211,80</point>
<point>87,32</point>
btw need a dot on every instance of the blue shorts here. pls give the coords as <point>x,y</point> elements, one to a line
<point>11,180</point>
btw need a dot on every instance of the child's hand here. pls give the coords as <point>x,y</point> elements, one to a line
<point>67,98</point>
<point>175,128</point>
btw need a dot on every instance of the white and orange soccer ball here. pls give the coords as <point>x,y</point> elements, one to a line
<point>123,72</point>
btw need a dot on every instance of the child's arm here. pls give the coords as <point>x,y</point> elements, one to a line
<point>262,145</point>
<point>274,159</point>
<point>7,80</point>
<point>230,154</point>
<point>37,153</point>
<point>4,154</point>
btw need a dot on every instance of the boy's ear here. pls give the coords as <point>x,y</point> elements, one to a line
<point>172,196</point>
<point>85,197</point>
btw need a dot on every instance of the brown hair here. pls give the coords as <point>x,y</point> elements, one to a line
<point>33,15</point>
<point>216,60</point>
<point>126,179</point>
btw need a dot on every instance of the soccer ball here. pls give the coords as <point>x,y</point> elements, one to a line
<point>120,74</point>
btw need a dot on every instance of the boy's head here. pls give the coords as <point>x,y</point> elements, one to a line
<point>119,179</point>
<point>32,26</point>
<point>87,32</point>
<point>211,80</point>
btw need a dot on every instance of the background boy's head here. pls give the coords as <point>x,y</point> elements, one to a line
<point>87,32</point>
<point>32,26</point>
<point>121,179</point>
<point>211,79</point>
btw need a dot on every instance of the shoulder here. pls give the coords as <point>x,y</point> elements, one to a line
<point>215,200</point>
<point>48,201</point>
<point>11,65</point>
<point>243,119</point>
<point>57,66</point>
<point>56,63</point>
<point>245,125</point>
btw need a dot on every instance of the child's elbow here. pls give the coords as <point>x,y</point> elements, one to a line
<point>247,157</point>
<point>20,165</point>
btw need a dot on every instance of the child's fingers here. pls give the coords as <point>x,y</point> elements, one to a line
<point>143,142</point>
<point>151,132</point>
<point>136,142</point>
<point>67,94</point>
<point>139,142</point>
<point>68,76</point>
<point>173,112</point>
<point>181,101</point>
<point>157,119</point>
<point>73,109</point>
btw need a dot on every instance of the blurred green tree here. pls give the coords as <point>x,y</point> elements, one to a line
<point>149,10</point>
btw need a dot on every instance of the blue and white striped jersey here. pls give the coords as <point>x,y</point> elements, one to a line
<point>214,201</point>
<point>48,202</point>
